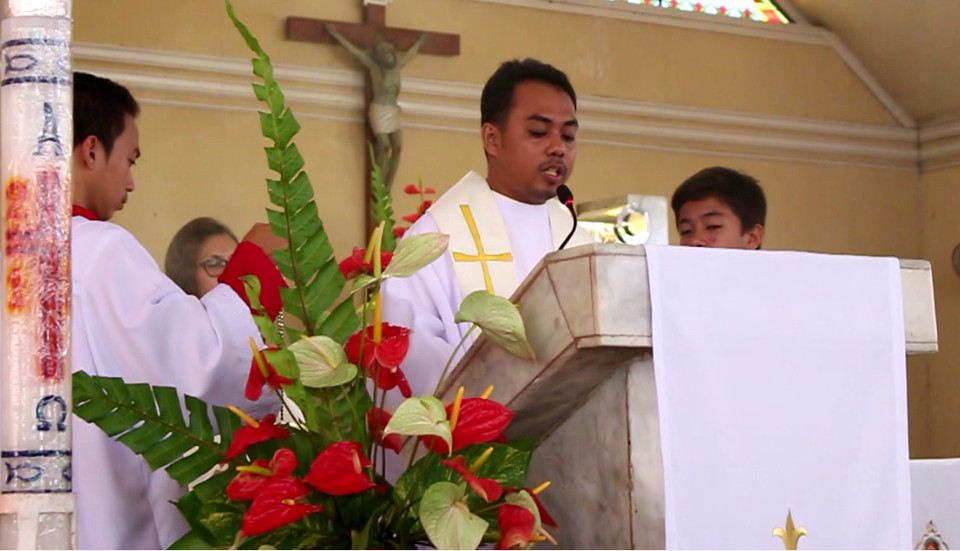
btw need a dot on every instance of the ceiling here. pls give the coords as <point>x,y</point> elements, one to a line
<point>911,47</point>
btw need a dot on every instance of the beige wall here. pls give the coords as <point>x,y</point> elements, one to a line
<point>938,386</point>
<point>206,158</point>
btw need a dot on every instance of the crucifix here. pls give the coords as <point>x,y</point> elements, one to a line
<point>375,46</point>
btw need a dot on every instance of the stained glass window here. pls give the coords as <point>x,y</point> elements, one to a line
<point>757,10</point>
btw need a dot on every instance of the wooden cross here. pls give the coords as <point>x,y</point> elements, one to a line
<point>362,34</point>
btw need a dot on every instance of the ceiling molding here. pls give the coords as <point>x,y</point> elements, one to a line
<point>853,62</point>
<point>801,31</point>
<point>210,82</point>
<point>940,131</point>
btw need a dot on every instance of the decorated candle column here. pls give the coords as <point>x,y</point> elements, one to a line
<point>36,503</point>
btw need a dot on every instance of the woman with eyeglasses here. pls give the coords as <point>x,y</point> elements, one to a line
<point>198,254</point>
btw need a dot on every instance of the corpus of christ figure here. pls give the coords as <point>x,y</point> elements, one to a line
<point>383,112</point>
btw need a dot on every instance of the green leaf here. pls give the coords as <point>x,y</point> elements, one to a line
<point>448,523</point>
<point>341,322</point>
<point>191,540</point>
<point>508,465</point>
<point>421,416</point>
<point>415,252</point>
<point>361,282</point>
<point>322,362</point>
<point>308,263</point>
<point>499,320</point>
<point>382,206</point>
<point>284,362</point>
<point>149,420</point>
<point>342,411</point>
<point>222,520</point>
<point>305,402</point>
<point>198,537</point>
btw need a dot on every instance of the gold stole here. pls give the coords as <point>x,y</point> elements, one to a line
<point>479,242</point>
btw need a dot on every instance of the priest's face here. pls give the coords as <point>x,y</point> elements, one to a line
<point>112,176</point>
<point>535,150</point>
<point>712,223</point>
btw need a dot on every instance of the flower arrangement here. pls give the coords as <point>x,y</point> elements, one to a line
<point>318,481</point>
<point>416,189</point>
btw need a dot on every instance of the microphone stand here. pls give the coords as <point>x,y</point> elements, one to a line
<point>566,197</point>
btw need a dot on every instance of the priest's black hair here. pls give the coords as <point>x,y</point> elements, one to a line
<point>497,98</point>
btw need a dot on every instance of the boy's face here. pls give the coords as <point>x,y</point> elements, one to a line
<point>711,223</point>
<point>534,153</point>
<point>113,177</point>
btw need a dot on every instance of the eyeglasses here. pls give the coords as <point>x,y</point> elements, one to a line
<point>213,265</point>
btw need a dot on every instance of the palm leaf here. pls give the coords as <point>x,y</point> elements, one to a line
<point>382,206</point>
<point>150,421</point>
<point>309,261</point>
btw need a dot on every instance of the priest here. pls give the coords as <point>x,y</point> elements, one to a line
<point>499,226</point>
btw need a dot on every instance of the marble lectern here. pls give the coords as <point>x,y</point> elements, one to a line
<point>592,389</point>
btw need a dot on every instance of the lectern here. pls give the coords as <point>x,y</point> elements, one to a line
<point>591,393</point>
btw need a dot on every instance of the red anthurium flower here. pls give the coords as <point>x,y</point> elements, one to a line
<point>389,378</point>
<point>354,264</point>
<point>412,217</point>
<point>398,231</point>
<point>480,420</point>
<point>516,526</point>
<point>339,470</point>
<point>545,517</point>
<point>276,506</point>
<point>256,380</point>
<point>249,435</point>
<point>382,360</point>
<point>488,488</point>
<point>412,189</point>
<point>247,484</point>
<point>377,419</point>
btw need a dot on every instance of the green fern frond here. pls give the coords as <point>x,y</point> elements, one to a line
<point>309,261</point>
<point>382,206</point>
<point>149,420</point>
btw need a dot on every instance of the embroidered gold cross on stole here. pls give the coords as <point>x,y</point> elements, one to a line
<point>482,257</point>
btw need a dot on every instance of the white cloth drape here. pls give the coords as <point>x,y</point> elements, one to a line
<point>782,386</point>
<point>935,484</point>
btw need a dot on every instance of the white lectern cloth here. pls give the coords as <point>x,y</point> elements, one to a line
<point>936,497</point>
<point>781,381</point>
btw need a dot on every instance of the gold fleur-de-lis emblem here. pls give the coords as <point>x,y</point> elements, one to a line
<point>791,534</point>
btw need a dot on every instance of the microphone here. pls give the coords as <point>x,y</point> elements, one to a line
<point>566,197</point>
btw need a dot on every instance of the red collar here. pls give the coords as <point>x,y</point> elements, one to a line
<point>84,212</point>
